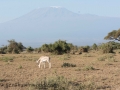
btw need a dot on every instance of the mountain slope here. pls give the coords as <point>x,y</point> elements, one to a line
<point>46,25</point>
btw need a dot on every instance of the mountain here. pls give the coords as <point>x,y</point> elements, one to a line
<point>46,25</point>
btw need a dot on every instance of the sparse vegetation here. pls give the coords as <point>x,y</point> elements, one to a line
<point>65,57</point>
<point>102,58</point>
<point>7,59</point>
<point>89,68</point>
<point>107,57</point>
<point>20,67</point>
<point>61,83</point>
<point>87,55</point>
<point>87,73</point>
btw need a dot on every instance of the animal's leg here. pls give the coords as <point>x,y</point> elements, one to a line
<point>44,64</point>
<point>39,64</point>
<point>49,65</point>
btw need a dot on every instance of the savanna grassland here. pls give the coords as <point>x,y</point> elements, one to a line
<point>87,71</point>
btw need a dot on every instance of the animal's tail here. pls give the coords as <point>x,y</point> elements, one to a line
<point>49,62</point>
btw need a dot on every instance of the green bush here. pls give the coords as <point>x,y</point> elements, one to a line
<point>14,47</point>
<point>58,47</point>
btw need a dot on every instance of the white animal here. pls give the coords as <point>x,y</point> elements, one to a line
<point>43,60</point>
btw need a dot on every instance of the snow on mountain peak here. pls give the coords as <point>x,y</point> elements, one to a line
<point>56,6</point>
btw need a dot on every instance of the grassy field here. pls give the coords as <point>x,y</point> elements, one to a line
<point>87,71</point>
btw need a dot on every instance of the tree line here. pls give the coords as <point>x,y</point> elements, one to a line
<point>62,47</point>
<point>59,47</point>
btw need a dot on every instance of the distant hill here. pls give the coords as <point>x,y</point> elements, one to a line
<point>46,25</point>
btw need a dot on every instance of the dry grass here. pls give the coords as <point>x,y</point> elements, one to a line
<point>17,71</point>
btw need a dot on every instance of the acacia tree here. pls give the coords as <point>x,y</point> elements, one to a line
<point>113,35</point>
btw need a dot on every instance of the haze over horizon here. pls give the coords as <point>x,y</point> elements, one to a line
<point>97,19</point>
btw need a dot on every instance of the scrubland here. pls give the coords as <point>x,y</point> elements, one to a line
<point>86,71</point>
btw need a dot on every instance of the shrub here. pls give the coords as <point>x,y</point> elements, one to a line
<point>60,47</point>
<point>14,47</point>
<point>84,49</point>
<point>68,65</point>
<point>94,46</point>
<point>106,48</point>
<point>3,50</point>
<point>30,49</point>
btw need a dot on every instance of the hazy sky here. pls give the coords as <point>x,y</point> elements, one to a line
<point>10,9</point>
